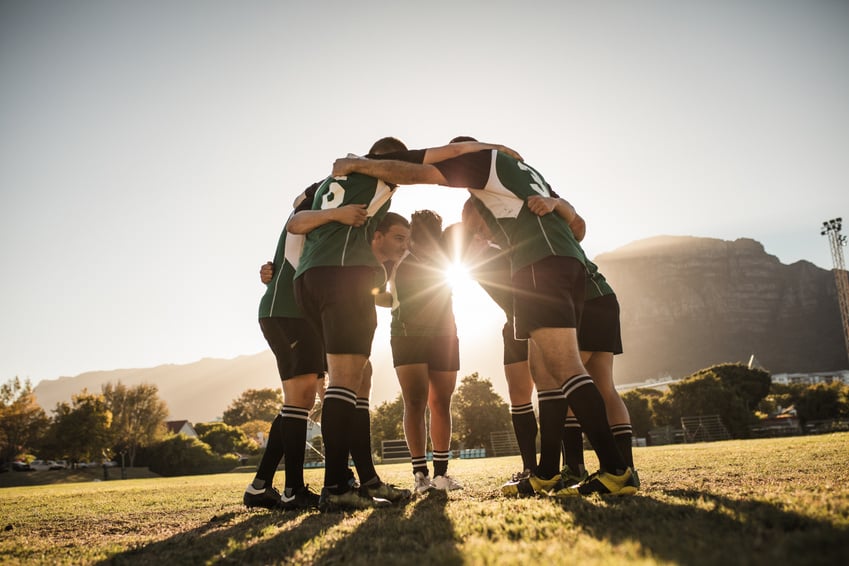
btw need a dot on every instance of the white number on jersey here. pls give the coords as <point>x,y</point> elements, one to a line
<point>334,196</point>
<point>538,185</point>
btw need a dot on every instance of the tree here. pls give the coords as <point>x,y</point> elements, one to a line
<point>254,405</point>
<point>750,385</point>
<point>705,393</point>
<point>81,430</point>
<point>138,416</point>
<point>823,401</point>
<point>178,455</point>
<point>22,421</point>
<point>387,422</point>
<point>478,411</point>
<point>225,439</point>
<point>639,405</point>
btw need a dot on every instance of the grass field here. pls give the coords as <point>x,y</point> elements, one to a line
<point>776,501</point>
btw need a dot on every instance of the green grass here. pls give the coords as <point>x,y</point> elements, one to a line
<point>776,501</point>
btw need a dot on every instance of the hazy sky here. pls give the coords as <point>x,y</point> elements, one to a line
<point>150,151</point>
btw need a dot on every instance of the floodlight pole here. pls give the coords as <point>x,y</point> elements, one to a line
<point>831,228</point>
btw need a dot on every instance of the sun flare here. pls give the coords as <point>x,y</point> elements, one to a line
<point>457,275</point>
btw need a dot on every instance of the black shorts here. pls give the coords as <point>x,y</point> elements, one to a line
<point>296,346</point>
<point>338,301</point>
<point>514,350</point>
<point>599,330</point>
<point>440,353</point>
<point>548,294</point>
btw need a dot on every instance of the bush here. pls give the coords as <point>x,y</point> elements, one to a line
<point>181,456</point>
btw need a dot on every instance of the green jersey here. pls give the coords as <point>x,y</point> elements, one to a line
<point>503,185</point>
<point>279,297</point>
<point>336,244</point>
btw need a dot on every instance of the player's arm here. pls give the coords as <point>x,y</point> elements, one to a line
<point>436,154</point>
<point>541,206</point>
<point>306,221</point>
<point>390,171</point>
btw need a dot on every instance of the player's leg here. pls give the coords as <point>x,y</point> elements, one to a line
<point>520,389</point>
<point>600,366</point>
<point>442,384</point>
<point>413,379</point>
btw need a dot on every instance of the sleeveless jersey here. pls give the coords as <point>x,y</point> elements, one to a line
<point>503,185</point>
<point>336,244</point>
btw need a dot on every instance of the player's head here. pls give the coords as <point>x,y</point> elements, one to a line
<point>473,221</point>
<point>425,229</point>
<point>459,139</point>
<point>386,145</point>
<point>391,238</point>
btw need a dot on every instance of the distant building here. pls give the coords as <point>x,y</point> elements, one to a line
<point>181,427</point>
<point>811,378</point>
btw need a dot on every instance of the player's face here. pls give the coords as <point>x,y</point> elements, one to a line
<point>393,244</point>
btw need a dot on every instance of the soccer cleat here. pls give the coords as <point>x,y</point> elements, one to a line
<point>529,486</point>
<point>301,498</point>
<point>446,483</point>
<point>523,475</point>
<point>422,483</point>
<point>636,478</point>
<point>386,491</point>
<point>350,500</point>
<point>267,497</point>
<point>602,483</point>
<point>571,478</point>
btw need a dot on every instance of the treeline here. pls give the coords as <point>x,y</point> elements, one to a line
<point>128,423</point>
<point>120,422</point>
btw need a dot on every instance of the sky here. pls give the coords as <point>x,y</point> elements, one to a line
<point>150,151</point>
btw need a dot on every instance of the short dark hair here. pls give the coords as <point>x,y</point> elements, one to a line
<point>387,145</point>
<point>459,139</point>
<point>426,227</point>
<point>391,219</point>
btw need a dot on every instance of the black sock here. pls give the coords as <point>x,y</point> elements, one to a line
<point>525,427</point>
<point>440,462</point>
<point>337,419</point>
<point>623,434</point>
<point>419,464</point>
<point>272,455</point>
<point>573,445</point>
<point>360,442</point>
<point>552,413</point>
<point>294,441</point>
<point>588,406</point>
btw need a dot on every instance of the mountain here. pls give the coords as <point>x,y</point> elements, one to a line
<point>687,303</point>
<point>198,392</point>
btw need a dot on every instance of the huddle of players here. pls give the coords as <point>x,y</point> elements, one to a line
<point>329,320</point>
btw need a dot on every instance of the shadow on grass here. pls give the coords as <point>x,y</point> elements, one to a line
<point>420,531</point>
<point>693,527</point>
<point>210,541</point>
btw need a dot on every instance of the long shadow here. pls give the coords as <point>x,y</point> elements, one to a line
<point>419,532</point>
<point>707,529</point>
<point>210,541</point>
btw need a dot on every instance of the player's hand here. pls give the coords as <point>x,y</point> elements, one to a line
<point>343,166</point>
<point>266,272</point>
<point>352,214</point>
<point>541,205</point>
<point>511,152</point>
